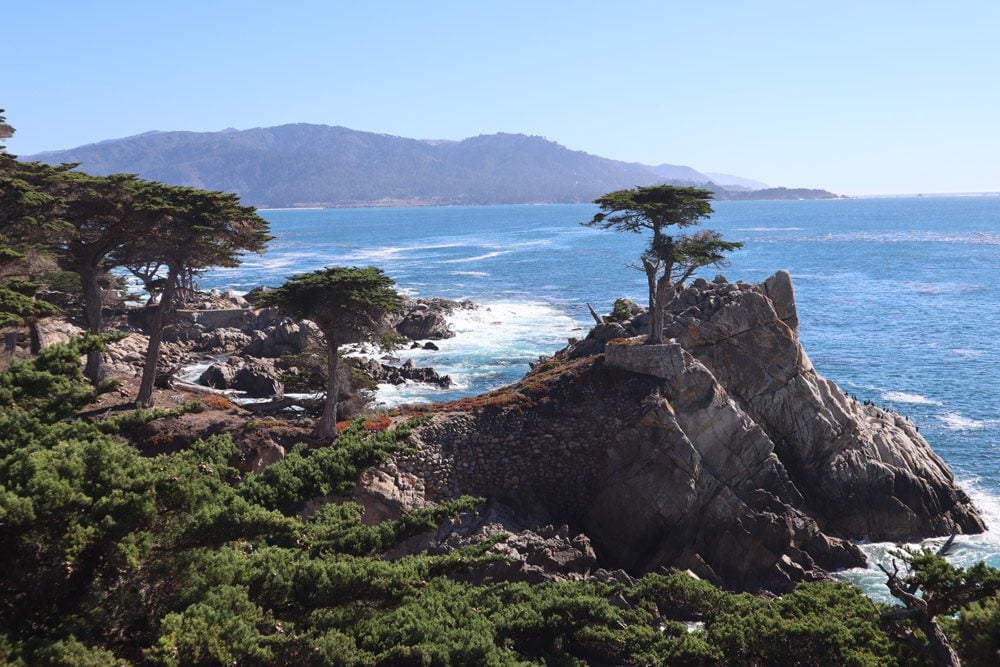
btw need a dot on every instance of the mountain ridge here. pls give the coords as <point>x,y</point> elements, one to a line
<point>305,164</point>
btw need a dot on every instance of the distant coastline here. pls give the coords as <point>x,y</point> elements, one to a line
<point>319,166</point>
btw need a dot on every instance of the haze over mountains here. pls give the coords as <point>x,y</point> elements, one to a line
<point>319,165</point>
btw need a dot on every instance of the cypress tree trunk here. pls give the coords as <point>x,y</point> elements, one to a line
<point>36,337</point>
<point>10,343</point>
<point>664,293</point>
<point>941,651</point>
<point>327,428</point>
<point>92,304</point>
<point>145,397</point>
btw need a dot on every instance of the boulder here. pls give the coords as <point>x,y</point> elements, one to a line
<point>284,337</point>
<point>226,339</point>
<point>258,380</point>
<point>218,376</point>
<point>424,324</point>
<point>53,330</point>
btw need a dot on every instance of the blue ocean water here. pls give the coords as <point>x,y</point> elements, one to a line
<point>898,298</point>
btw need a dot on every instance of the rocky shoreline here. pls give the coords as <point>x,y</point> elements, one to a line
<point>258,354</point>
<point>721,452</point>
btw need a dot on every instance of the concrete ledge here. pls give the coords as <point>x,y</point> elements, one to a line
<point>662,361</point>
<point>218,318</point>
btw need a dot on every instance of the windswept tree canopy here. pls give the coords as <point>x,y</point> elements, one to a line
<point>668,260</point>
<point>27,220</point>
<point>652,208</point>
<point>195,229</point>
<point>187,230</point>
<point>348,304</point>
<point>347,301</point>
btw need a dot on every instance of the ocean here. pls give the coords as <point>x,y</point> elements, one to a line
<point>898,300</point>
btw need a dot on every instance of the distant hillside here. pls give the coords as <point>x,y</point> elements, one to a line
<point>736,182</point>
<point>319,165</point>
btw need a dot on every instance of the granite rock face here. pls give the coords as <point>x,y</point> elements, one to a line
<point>722,451</point>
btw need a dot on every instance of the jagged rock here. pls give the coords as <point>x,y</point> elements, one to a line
<point>284,337</point>
<point>227,339</point>
<point>55,330</point>
<point>218,376</point>
<point>431,346</point>
<point>533,551</point>
<point>386,374</point>
<point>721,452</point>
<point>259,380</point>
<point>597,338</point>
<point>422,319</point>
<point>423,324</point>
<point>183,331</point>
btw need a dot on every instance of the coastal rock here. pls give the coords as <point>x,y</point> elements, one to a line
<point>284,337</point>
<point>423,319</point>
<point>226,339</point>
<point>721,452</point>
<point>53,330</point>
<point>218,376</point>
<point>386,374</point>
<point>424,324</point>
<point>257,378</point>
<point>532,551</point>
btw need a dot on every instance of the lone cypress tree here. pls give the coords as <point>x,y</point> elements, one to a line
<point>348,304</point>
<point>668,260</point>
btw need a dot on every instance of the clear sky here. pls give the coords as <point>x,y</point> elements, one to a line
<point>880,96</point>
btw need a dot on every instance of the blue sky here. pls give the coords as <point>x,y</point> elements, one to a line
<point>856,97</point>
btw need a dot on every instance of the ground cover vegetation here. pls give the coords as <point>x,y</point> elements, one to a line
<point>114,555</point>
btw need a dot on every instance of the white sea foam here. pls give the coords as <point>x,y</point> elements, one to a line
<point>474,274</point>
<point>488,255</point>
<point>392,395</point>
<point>966,550</point>
<point>906,397</point>
<point>956,422</point>
<point>965,352</point>
<point>492,346</point>
<point>391,253</point>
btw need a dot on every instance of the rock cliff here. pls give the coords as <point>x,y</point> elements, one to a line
<point>721,451</point>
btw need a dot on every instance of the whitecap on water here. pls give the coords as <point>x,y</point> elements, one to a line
<point>965,352</point>
<point>965,551</point>
<point>492,346</point>
<point>956,422</point>
<point>906,397</point>
<point>477,258</point>
<point>393,395</point>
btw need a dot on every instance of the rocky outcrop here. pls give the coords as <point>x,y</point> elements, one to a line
<point>384,373</point>
<point>721,451</point>
<point>425,319</point>
<point>257,378</point>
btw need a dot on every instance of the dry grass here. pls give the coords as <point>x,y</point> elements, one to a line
<point>217,402</point>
